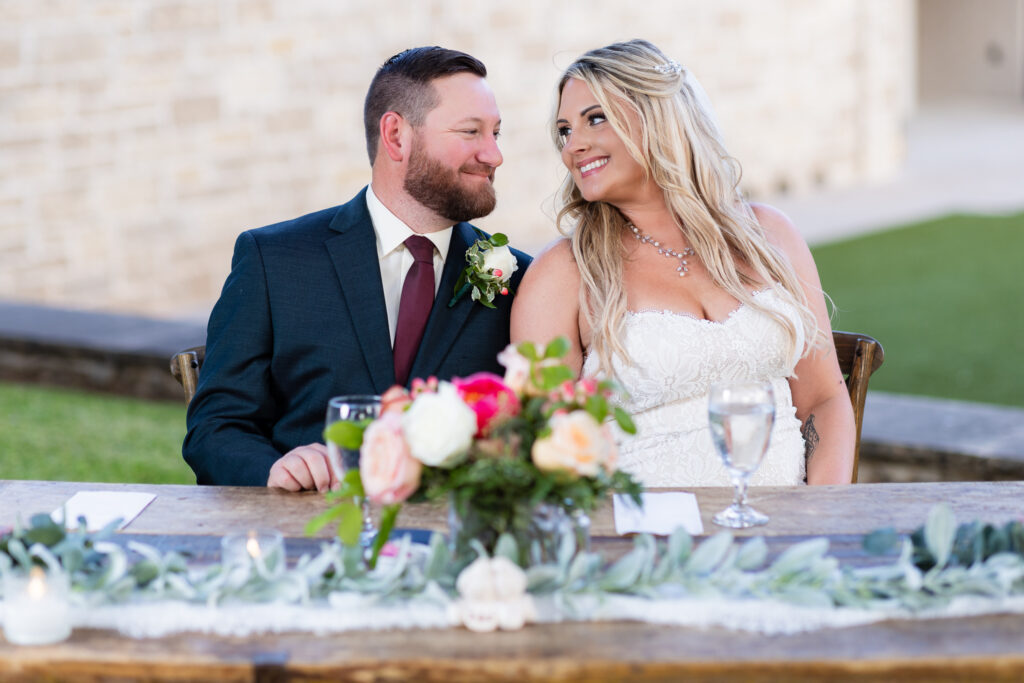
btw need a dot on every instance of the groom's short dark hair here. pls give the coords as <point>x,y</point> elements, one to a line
<point>403,85</point>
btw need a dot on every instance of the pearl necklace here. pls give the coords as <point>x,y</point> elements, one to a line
<point>672,253</point>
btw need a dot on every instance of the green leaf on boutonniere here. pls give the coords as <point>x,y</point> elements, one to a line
<point>499,239</point>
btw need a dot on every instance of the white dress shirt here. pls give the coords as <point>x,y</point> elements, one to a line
<point>395,259</point>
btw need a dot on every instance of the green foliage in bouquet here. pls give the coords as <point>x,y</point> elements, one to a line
<point>540,438</point>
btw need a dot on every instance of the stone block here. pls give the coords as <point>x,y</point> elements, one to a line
<point>189,111</point>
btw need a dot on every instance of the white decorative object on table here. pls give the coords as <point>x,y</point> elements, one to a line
<point>36,610</point>
<point>492,595</point>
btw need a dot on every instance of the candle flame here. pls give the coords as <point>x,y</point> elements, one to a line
<point>36,583</point>
<point>252,546</point>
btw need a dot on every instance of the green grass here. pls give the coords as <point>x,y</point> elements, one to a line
<point>56,434</point>
<point>944,299</point>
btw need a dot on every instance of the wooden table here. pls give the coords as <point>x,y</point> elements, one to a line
<point>983,648</point>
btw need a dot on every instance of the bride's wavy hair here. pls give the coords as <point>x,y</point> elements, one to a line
<point>678,145</point>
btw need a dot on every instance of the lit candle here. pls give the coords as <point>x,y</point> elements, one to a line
<point>36,609</point>
<point>263,545</point>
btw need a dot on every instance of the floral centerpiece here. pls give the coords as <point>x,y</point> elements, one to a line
<point>509,453</point>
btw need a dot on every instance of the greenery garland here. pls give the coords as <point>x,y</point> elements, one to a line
<point>935,564</point>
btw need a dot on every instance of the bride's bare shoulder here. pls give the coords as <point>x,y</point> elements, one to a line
<point>553,264</point>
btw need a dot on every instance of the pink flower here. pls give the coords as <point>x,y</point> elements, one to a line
<point>389,472</point>
<point>517,368</point>
<point>394,399</point>
<point>489,397</point>
<point>428,386</point>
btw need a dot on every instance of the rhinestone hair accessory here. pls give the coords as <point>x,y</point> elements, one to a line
<point>669,67</point>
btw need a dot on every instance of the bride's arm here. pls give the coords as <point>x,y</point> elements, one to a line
<point>546,305</point>
<point>819,392</point>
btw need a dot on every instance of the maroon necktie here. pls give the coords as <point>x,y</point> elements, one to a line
<point>414,308</point>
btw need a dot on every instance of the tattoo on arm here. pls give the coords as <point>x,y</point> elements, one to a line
<point>811,437</point>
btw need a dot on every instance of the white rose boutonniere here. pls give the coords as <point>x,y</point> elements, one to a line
<point>491,264</point>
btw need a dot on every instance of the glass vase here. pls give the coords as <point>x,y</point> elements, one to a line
<point>538,530</point>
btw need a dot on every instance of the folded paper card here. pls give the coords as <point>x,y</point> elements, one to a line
<point>102,507</point>
<point>661,514</point>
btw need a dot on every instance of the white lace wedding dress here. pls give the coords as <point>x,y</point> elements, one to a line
<point>676,357</point>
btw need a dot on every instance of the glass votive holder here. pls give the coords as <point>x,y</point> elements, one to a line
<point>262,546</point>
<point>36,608</point>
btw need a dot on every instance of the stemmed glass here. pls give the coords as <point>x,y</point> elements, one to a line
<point>741,416</point>
<point>361,409</point>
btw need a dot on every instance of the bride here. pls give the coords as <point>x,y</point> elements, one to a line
<point>680,281</point>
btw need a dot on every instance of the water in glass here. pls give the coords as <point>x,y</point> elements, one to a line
<point>362,409</point>
<point>741,415</point>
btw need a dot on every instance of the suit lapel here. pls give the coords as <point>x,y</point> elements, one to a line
<point>445,323</point>
<point>354,254</point>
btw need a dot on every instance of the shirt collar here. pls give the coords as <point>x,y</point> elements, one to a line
<point>392,232</point>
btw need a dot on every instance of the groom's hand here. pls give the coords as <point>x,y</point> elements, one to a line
<point>302,469</point>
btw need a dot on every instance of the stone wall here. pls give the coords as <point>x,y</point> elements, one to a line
<point>138,137</point>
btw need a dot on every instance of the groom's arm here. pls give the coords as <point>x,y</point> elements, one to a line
<point>231,417</point>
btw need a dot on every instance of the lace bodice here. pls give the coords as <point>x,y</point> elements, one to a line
<point>675,359</point>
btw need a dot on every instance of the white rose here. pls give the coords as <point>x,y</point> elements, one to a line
<point>500,259</point>
<point>439,427</point>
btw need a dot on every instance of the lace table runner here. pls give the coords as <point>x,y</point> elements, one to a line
<point>353,611</point>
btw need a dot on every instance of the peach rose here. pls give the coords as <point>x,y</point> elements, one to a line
<point>577,444</point>
<point>389,472</point>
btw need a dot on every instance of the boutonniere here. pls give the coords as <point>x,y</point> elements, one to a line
<point>491,264</point>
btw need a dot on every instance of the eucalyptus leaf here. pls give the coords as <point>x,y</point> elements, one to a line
<point>939,532</point>
<point>507,547</point>
<point>800,556</point>
<point>680,543</point>
<point>624,573</point>
<point>752,554</point>
<point>709,553</point>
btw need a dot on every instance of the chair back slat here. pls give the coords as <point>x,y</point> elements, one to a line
<point>185,366</point>
<point>859,356</point>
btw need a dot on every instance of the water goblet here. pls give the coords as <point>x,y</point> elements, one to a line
<point>360,409</point>
<point>741,416</point>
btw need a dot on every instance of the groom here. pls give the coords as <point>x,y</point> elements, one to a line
<point>354,299</point>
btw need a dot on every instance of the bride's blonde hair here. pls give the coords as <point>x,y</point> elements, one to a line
<point>680,148</point>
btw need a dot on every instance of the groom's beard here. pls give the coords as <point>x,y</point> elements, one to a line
<point>439,188</point>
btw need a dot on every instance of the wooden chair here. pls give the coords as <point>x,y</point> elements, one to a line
<point>185,367</point>
<point>859,355</point>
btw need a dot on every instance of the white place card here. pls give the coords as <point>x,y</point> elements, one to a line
<point>661,514</point>
<point>102,507</point>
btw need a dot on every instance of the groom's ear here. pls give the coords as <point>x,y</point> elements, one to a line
<point>395,136</point>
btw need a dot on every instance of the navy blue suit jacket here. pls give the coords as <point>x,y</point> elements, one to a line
<point>302,318</point>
